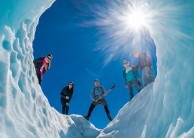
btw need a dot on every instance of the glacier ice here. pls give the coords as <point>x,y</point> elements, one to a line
<point>163,109</point>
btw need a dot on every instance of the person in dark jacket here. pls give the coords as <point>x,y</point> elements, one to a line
<point>42,64</point>
<point>97,95</point>
<point>66,95</point>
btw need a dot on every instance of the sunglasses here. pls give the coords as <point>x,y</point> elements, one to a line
<point>71,84</point>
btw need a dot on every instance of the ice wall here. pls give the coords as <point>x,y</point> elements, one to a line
<point>169,109</point>
<point>24,110</point>
<point>166,108</point>
<point>173,110</point>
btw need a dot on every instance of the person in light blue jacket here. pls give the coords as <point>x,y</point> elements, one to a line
<point>97,95</point>
<point>131,78</point>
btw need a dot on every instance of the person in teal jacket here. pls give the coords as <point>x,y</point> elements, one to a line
<point>131,78</point>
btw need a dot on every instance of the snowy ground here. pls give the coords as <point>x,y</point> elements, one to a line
<point>163,109</point>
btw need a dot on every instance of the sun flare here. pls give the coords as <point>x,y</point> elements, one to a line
<point>136,19</point>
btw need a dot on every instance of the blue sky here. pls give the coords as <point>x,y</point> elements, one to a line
<point>76,59</point>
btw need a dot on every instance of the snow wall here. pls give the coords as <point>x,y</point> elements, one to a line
<point>163,109</point>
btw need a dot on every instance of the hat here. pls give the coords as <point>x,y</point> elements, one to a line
<point>125,61</point>
<point>96,80</point>
<point>49,55</point>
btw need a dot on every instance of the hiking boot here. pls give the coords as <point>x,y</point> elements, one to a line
<point>86,117</point>
<point>109,117</point>
<point>107,113</point>
<point>131,97</point>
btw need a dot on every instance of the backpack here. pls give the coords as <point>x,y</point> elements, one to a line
<point>100,89</point>
<point>38,63</point>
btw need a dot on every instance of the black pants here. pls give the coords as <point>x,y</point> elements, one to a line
<point>39,77</point>
<point>92,106</point>
<point>135,84</point>
<point>65,105</point>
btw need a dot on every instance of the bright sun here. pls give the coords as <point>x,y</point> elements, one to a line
<point>136,18</point>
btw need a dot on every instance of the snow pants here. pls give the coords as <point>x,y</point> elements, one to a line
<point>147,76</point>
<point>65,105</point>
<point>136,85</point>
<point>103,102</point>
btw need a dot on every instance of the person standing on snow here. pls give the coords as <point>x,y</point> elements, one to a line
<point>42,64</point>
<point>66,95</point>
<point>136,75</point>
<point>131,77</point>
<point>97,95</point>
<point>145,66</point>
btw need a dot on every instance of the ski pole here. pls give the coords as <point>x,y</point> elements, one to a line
<point>106,93</point>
